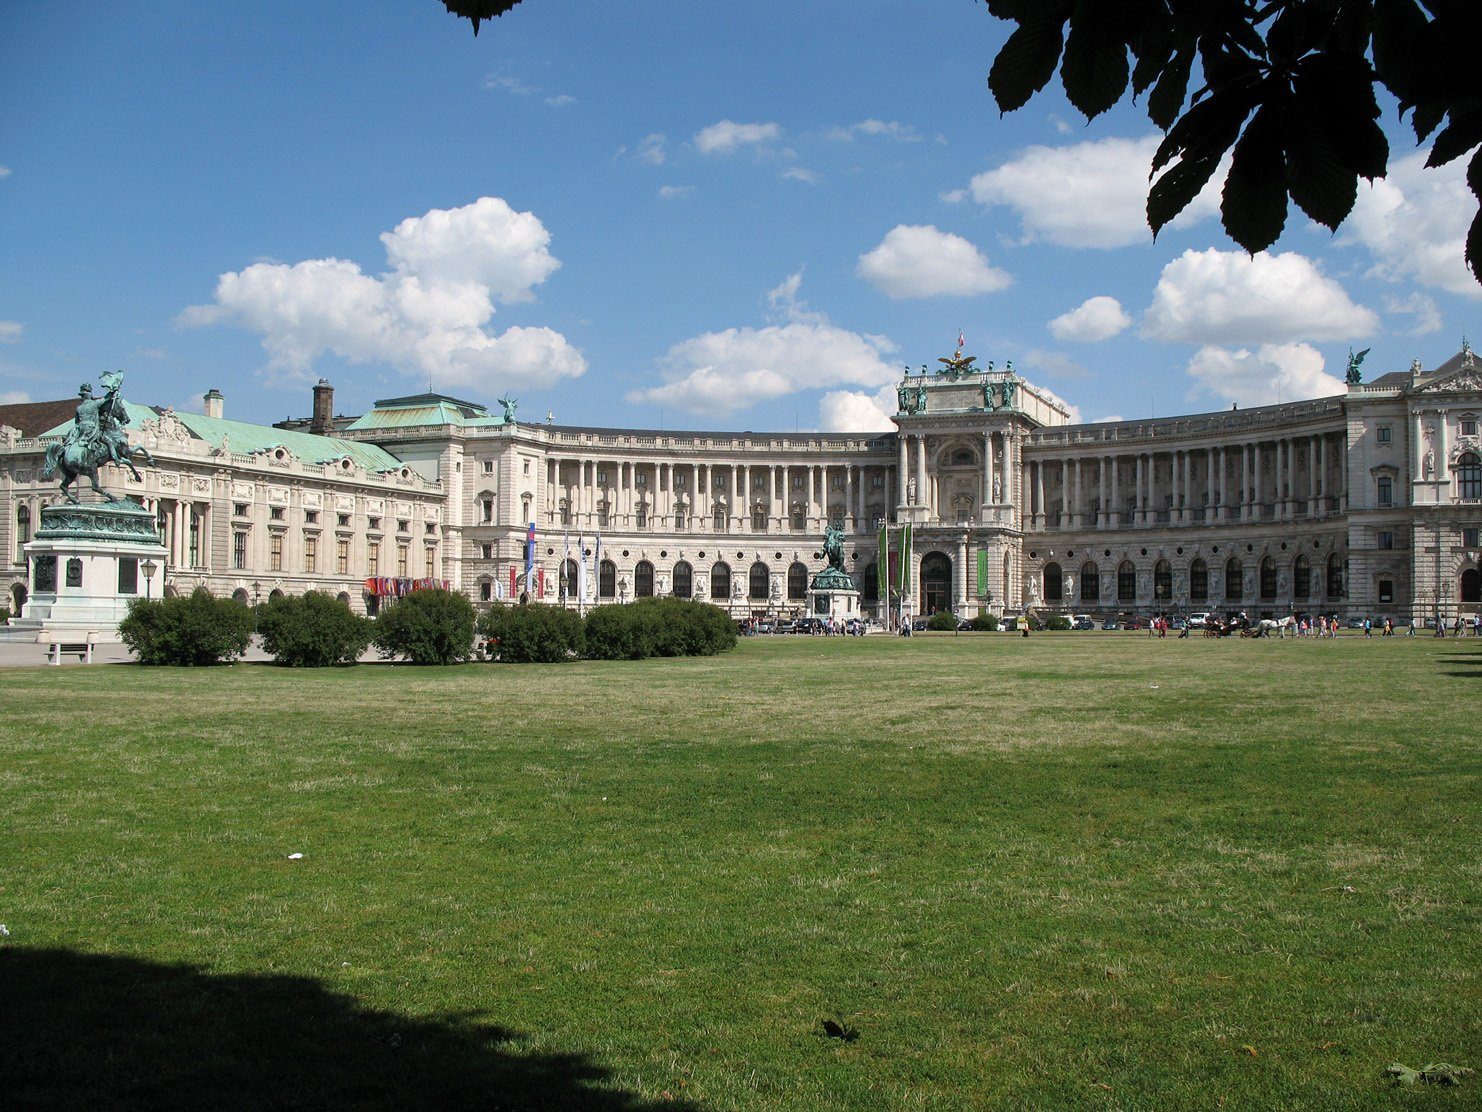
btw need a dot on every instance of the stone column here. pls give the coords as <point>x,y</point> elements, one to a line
<point>1140,514</point>
<point>921,492</point>
<point>961,575</point>
<point>1256,478</point>
<point>1443,450</point>
<point>1114,508</point>
<point>901,469</point>
<point>1065,494</point>
<point>811,500</point>
<point>1037,508</point>
<point>987,467</point>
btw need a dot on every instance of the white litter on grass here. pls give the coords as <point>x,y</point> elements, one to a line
<point>4,931</point>
<point>295,857</point>
<point>1153,686</point>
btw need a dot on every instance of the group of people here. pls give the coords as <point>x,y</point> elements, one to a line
<point>1458,626</point>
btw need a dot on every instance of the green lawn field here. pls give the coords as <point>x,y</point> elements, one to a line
<point>1082,870</point>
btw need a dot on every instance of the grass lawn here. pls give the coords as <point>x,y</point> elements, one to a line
<point>1081,870</point>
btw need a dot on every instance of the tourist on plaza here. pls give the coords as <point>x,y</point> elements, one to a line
<point>1368,628</point>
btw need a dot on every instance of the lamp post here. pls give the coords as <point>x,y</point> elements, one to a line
<point>149,567</point>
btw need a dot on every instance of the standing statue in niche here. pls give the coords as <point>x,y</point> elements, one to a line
<point>997,489</point>
<point>1429,466</point>
<point>95,438</point>
<point>911,491</point>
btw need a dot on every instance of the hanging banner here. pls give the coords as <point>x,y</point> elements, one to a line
<point>882,564</point>
<point>982,573</point>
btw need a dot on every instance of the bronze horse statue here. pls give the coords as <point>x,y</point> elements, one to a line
<point>95,438</point>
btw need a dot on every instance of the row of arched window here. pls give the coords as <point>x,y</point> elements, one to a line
<point>1305,580</point>
<point>682,580</point>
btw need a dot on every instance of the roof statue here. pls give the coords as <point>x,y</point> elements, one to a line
<point>956,365</point>
<point>1354,376</point>
<point>509,404</point>
<point>95,438</point>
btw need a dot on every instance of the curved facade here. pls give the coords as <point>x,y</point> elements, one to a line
<point>1366,503</point>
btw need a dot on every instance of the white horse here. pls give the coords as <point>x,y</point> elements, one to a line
<point>1279,626</point>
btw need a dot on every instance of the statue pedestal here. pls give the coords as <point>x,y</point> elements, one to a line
<point>86,565</point>
<point>832,595</point>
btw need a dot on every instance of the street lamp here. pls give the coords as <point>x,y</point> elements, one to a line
<point>149,567</point>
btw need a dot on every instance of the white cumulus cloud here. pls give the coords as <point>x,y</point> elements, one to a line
<point>651,150</point>
<point>872,128</point>
<point>425,315</point>
<point>855,411</point>
<point>1415,222</point>
<point>1423,308</point>
<point>14,397</point>
<point>728,136</point>
<point>1270,374</point>
<point>1091,194</point>
<point>923,261</point>
<point>1095,319</point>
<point>1229,297</point>
<point>718,373</point>
<point>10,331</point>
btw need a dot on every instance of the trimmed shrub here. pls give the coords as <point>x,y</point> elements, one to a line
<point>430,626</point>
<point>1057,621</point>
<point>533,633</point>
<point>658,627</point>
<point>191,630</point>
<point>943,621</point>
<point>984,623</point>
<point>313,631</point>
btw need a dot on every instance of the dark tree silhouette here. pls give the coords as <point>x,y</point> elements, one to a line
<point>1288,84</point>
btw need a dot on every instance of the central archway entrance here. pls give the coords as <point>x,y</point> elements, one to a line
<point>936,582</point>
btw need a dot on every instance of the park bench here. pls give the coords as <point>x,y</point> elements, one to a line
<point>57,644</point>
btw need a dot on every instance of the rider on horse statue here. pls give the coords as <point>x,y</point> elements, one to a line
<point>95,438</point>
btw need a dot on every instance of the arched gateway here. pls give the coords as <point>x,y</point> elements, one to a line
<point>936,582</point>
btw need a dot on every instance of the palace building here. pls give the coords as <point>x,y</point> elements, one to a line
<point>1367,504</point>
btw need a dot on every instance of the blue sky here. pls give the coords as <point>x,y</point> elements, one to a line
<point>649,214</point>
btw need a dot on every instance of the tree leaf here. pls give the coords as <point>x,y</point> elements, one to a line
<point>1027,61</point>
<point>1168,94</point>
<point>1175,188</point>
<point>1319,178</point>
<point>1253,206</point>
<point>1095,70</point>
<point>1474,246</point>
<point>1459,136</point>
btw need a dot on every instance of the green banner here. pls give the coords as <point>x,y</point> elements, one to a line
<point>882,565</point>
<point>905,577</point>
<point>982,573</point>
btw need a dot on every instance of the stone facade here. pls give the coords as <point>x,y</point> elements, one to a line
<point>1362,504</point>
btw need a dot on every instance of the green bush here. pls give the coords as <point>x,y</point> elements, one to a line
<point>984,623</point>
<point>190,630</point>
<point>313,631</point>
<point>1057,621</point>
<point>430,626</point>
<point>658,627</point>
<point>533,633</point>
<point>942,621</point>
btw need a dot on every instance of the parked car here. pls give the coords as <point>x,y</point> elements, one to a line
<point>1111,623</point>
<point>808,625</point>
<point>1082,621</point>
<point>1135,623</point>
<point>1199,619</point>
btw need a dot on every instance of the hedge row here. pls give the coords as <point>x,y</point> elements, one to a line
<point>425,627</point>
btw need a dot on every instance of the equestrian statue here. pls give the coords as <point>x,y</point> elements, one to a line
<point>95,438</point>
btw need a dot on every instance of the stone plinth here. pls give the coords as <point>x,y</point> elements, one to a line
<point>832,595</point>
<point>86,565</point>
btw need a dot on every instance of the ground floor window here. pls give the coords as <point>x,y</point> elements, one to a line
<point>683,580</point>
<point>797,582</point>
<point>1198,581</point>
<point>643,580</point>
<point>1090,582</point>
<point>760,581</point>
<point>720,581</point>
<point>607,579</point>
<point>1471,585</point>
<point>1054,583</point>
<point>1234,588</point>
<point>1126,582</point>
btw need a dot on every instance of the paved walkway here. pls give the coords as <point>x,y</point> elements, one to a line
<point>20,654</point>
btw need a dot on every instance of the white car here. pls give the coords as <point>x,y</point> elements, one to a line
<point>1199,620</point>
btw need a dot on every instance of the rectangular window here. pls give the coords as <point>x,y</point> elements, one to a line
<point>640,517</point>
<point>342,557</point>
<point>403,525</point>
<point>1386,538</point>
<point>1385,492</point>
<point>1386,590</point>
<point>401,560</point>
<point>239,509</point>
<point>488,467</point>
<point>373,558</point>
<point>311,554</point>
<point>601,476</point>
<point>193,546</point>
<point>430,564</point>
<point>275,552</point>
<point>487,510</point>
<point>486,591</point>
<point>275,513</point>
<point>486,551</point>
<point>640,479</point>
<point>239,550</point>
<point>1385,434</point>
<point>1469,426</point>
<point>430,528</point>
<point>311,517</point>
<point>342,520</point>
<point>373,523</point>
<point>1471,536</point>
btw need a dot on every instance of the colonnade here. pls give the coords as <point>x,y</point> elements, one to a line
<point>716,497</point>
<point>1255,480</point>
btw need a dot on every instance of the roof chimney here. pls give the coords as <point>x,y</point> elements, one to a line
<point>215,403</point>
<point>323,420</point>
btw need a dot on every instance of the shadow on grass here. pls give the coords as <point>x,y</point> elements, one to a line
<point>1472,660</point>
<point>98,1032</point>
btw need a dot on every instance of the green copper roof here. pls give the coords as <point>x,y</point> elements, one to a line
<point>246,439</point>
<point>426,409</point>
